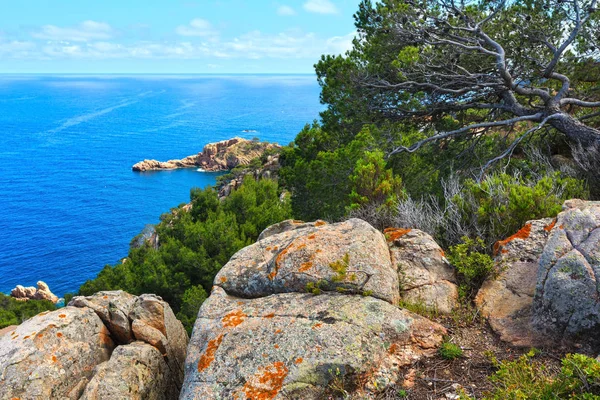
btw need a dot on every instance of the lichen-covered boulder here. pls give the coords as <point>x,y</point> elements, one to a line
<point>286,226</point>
<point>567,298</point>
<point>506,298</point>
<point>294,345</point>
<point>425,276</point>
<point>350,257</point>
<point>135,371</point>
<point>113,308</point>
<point>52,355</point>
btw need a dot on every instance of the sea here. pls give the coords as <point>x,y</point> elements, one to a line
<point>70,203</point>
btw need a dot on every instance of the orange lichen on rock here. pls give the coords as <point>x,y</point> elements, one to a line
<point>105,297</point>
<point>223,279</point>
<point>298,360</point>
<point>267,383</point>
<point>62,316</point>
<point>54,359</point>
<point>269,248</point>
<point>276,346</point>
<point>393,234</point>
<point>278,331</point>
<point>393,348</point>
<point>234,318</point>
<point>26,337</point>
<point>312,237</point>
<point>305,266</point>
<point>548,228</point>
<point>272,315</point>
<point>59,335</point>
<point>320,223</point>
<point>523,234</point>
<point>317,325</point>
<point>209,355</point>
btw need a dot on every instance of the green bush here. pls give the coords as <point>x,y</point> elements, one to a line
<point>527,378</point>
<point>13,312</point>
<point>450,351</point>
<point>472,265</point>
<point>501,204</point>
<point>190,305</point>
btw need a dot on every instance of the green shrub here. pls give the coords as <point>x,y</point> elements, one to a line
<point>190,305</point>
<point>450,351</point>
<point>527,378</point>
<point>501,204</point>
<point>13,312</point>
<point>472,265</point>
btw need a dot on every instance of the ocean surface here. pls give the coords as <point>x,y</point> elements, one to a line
<point>69,202</point>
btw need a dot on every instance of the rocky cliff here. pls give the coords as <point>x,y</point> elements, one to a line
<point>219,156</point>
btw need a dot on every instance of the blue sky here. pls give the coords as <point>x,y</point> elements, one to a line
<point>176,36</point>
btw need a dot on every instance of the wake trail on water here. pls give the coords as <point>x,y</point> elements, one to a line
<point>87,117</point>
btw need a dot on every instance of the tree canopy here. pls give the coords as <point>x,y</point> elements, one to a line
<point>458,69</point>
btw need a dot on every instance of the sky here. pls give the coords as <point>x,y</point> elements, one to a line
<point>172,36</point>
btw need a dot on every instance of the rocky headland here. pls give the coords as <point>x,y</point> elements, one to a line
<point>220,156</point>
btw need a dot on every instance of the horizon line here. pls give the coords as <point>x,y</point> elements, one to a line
<point>157,73</point>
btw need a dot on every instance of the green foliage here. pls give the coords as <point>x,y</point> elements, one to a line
<point>194,245</point>
<point>501,204</point>
<point>13,312</point>
<point>190,305</point>
<point>527,378</point>
<point>327,182</point>
<point>372,183</point>
<point>472,265</point>
<point>450,351</point>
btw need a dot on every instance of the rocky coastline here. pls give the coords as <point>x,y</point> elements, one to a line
<point>220,156</point>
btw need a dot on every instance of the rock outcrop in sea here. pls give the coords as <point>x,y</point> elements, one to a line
<point>42,292</point>
<point>220,156</point>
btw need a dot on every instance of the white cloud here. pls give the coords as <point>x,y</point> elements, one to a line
<point>17,49</point>
<point>340,44</point>
<point>201,42</point>
<point>320,7</point>
<point>286,11</point>
<point>84,32</point>
<point>197,27</point>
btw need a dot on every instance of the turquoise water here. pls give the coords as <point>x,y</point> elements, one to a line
<point>69,202</point>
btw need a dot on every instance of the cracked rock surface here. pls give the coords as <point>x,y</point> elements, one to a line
<point>506,298</point>
<point>567,299</point>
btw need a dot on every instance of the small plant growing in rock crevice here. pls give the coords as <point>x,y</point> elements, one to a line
<point>472,265</point>
<point>450,351</point>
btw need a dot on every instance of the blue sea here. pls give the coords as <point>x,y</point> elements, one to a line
<point>69,201</point>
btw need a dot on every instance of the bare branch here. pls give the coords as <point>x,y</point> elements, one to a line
<point>515,143</point>
<point>444,135</point>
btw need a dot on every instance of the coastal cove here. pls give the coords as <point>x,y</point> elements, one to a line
<point>70,203</point>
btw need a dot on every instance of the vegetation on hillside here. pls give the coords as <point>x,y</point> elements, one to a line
<point>13,312</point>
<point>194,245</point>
